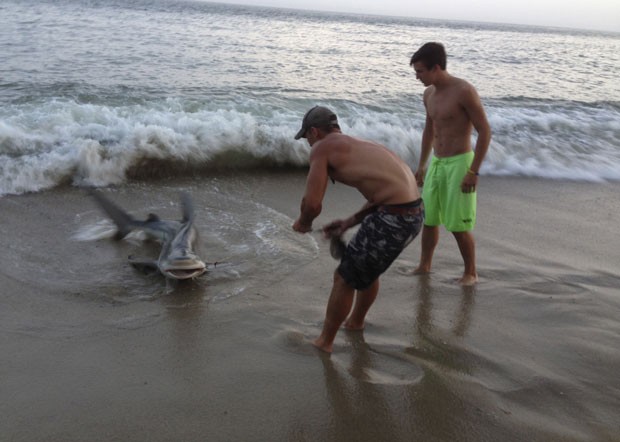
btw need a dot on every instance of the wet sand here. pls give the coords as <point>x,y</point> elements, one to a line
<point>93,350</point>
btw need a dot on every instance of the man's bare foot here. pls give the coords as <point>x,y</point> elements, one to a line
<point>420,270</point>
<point>352,326</point>
<point>321,345</point>
<point>413,272</point>
<point>468,280</point>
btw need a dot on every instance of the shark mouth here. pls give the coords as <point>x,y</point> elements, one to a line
<point>187,270</point>
<point>184,273</point>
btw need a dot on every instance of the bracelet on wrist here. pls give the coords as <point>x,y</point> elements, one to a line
<point>471,172</point>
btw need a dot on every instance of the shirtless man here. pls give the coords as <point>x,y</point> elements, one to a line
<point>453,109</point>
<point>390,219</point>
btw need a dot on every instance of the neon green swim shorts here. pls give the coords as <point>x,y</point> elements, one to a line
<point>444,202</point>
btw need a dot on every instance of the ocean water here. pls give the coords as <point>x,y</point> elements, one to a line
<point>148,98</point>
<point>103,92</point>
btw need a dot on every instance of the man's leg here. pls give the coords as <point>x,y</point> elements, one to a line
<point>363,301</point>
<point>467,247</point>
<point>430,238</point>
<point>338,308</point>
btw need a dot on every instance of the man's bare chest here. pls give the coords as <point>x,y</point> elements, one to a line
<point>444,109</point>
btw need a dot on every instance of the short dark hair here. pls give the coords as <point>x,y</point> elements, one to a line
<point>430,54</point>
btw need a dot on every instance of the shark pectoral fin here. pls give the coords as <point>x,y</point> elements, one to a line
<point>147,266</point>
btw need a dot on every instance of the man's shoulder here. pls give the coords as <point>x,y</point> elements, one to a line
<point>328,144</point>
<point>463,91</point>
<point>334,140</point>
<point>460,83</point>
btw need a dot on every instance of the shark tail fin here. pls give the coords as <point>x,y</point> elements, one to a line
<point>124,222</point>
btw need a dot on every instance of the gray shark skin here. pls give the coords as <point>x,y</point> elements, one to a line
<point>177,259</point>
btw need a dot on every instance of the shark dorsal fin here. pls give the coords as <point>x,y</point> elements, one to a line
<point>187,207</point>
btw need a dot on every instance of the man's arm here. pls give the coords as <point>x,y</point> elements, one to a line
<point>427,145</point>
<point>316,184</point>
<point>477,116</point>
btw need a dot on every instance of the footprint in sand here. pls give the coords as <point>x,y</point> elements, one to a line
<point>380,368</point>
<point>296,342</point>
<point>361,362</point>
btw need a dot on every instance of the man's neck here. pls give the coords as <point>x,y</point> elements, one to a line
<point>442,80</point>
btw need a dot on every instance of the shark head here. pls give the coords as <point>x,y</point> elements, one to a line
<point>185,267</point>
<point>181,262</point>
<point>177,259</point>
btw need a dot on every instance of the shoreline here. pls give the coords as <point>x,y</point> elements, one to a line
<point>529,353</point>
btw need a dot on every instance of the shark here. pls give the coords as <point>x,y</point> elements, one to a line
<point>177,259</point>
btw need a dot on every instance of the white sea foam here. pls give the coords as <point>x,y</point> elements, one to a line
<point>99,145</point>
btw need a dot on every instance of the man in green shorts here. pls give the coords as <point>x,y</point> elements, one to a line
<point>453,110</point>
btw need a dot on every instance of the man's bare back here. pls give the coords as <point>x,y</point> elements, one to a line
<point>379,175</point>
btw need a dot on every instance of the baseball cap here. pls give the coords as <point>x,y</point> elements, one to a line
<point>318,116</point>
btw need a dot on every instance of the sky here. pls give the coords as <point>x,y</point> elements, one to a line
<point>600,15</point>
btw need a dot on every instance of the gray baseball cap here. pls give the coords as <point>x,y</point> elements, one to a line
<point>318,116</point>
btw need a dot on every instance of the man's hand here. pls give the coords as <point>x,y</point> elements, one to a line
<point>302,228</point>
<point>335,229</point>
<point>419,177</point>
<point>468,185</point>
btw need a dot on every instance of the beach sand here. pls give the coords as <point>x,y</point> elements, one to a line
<point>92,350</point>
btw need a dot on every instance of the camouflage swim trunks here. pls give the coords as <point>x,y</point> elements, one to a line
<point>383,235</point>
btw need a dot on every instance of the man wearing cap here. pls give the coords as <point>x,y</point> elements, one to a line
<point>391,218</point>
